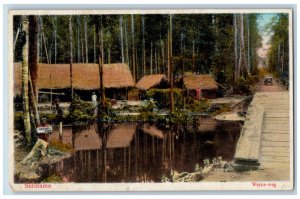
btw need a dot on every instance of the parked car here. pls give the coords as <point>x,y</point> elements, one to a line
<point>268,80</point>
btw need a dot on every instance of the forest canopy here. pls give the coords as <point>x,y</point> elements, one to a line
<point>201,43</point>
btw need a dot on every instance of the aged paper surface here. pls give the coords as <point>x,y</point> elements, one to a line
<point>205,141</point>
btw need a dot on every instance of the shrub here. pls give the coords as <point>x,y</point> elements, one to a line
<point>53,179</point>
<point>198,105</point>
<point>162,97</point>
<point>57,145</point>
<point>80,110</point>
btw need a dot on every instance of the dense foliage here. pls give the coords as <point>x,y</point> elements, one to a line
<point>278,56</point>
<point>202,43</point>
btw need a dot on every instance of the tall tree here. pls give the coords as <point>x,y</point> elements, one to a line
<point>170,64</point>
<point>55,38</point>
<point>126,42</point>
<point>25,73</point>
<point>236,74</point>
<point>101,62</point>
<point>133,48</point>
<point>121,38</point>
<point>94,32</point>
<point>248,44</point>
<point>33,64</point>
<point>33,52</point>
<point>78,39</point>
<point>151,66</point>
<point>144,50</point>
<point>86,40</point>
<point>71,56</point>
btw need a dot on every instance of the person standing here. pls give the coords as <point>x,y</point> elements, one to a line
<point>94,99</point>
<point>43,130</point>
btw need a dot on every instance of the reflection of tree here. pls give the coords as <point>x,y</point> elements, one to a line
<point>103,129</point>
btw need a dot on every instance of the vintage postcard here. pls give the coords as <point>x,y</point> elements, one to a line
<point>151,100</point>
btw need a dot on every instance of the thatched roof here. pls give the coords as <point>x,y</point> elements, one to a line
<point>150,81</point>
<point>205,82</point>
<point>85,76</point>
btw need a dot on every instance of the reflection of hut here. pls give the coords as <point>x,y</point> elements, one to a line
<point>152,130</point>
<point>206,124</point>
<point>56,77</point>
<point>198,86</point>
<point>120,136</point>
<point>87,139</point>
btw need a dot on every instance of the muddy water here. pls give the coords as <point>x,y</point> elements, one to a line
<point>129,152</point>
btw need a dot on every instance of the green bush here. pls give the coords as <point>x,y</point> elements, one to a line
<point>53,179</point>
<point>198,105</point>
<point>80,110</point>
<point>162,97</point>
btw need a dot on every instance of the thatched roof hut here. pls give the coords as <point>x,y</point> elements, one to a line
<point>85,76</point>
<point>203,82</point>
<point>150,81</point>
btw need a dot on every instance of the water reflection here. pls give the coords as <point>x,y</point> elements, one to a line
<point>130,152</point>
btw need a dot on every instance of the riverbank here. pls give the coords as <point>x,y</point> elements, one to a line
<point>33,165</point>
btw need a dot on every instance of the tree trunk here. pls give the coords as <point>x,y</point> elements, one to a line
<point>108,55</point>
<point>170,65</point>
<point>25,73</point>
<point>55,40</point>
<point>133,48</point>
<point>33,52</point>
<point>33,63</point>
<point>236,75</point>
<point>86,41</point>
<point>248,45</point>
<point>126,42</point>
<point>121,38</point>
<point>242,61</point>
<point>162,54</point>
<point>71,56</point>
<point>144,50</point>
<point>16,38</point>
<point>33,103</point>
<point>101,61</point>
<point>78,39</point>
<point>82,51</point>
<point>44,40</point>
<point>155,59</point>
<point>151,60</point>
<point>95,60</point>
<point>193,56</point>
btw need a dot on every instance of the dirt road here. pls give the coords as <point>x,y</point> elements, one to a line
<point>276,87</point>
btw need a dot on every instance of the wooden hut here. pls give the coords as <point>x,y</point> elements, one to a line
<point>152,81</point>
<point>117,78</point>
<point>199,86</point>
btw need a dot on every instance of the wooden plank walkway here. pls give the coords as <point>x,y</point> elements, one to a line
<point>265,137</point>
